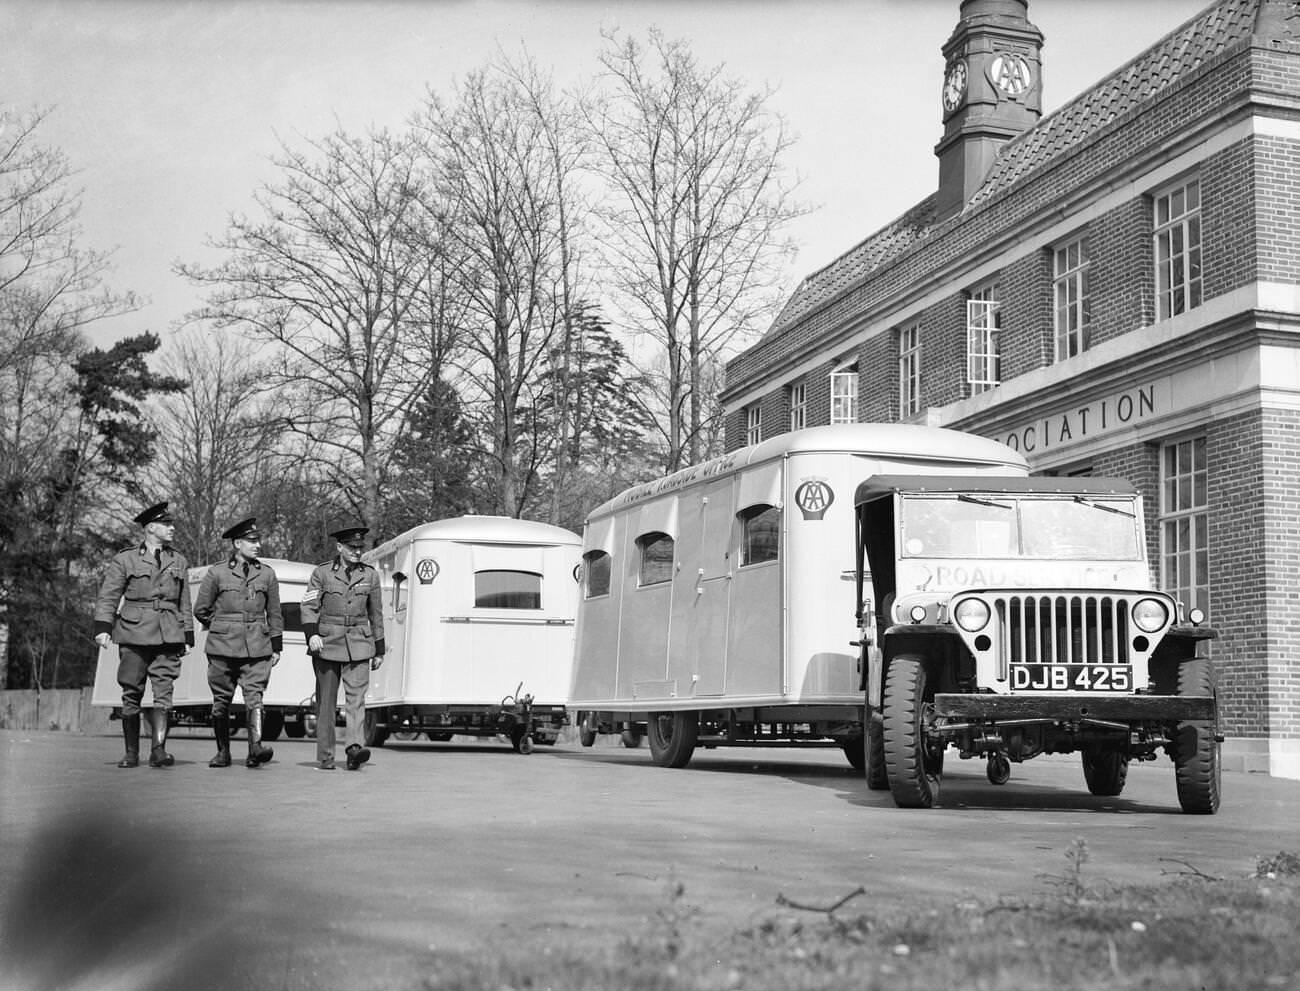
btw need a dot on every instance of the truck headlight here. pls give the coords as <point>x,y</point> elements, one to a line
<point>1150,615</point>
<point>971,614</point>
<point>917,613</point>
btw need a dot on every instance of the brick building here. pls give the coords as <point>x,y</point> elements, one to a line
<point>1113,289</point>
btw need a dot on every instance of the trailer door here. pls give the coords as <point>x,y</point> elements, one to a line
<point>702,591</point>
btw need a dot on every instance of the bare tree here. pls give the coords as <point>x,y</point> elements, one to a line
<point>331,275</point>
<point>502,156</point>
<point>700,200</point>
<point>51,289</point>
<point>214,438</point>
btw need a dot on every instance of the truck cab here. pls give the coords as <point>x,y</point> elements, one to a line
<point>1010,617</point>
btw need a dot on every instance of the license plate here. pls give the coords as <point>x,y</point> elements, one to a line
<point>1071,677</point>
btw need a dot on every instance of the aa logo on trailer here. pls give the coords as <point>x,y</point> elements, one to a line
<point>426,571</point>
<point>813,498</point>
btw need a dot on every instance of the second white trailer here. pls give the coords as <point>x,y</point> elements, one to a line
<point>719,602</point>
<point>479,615</point>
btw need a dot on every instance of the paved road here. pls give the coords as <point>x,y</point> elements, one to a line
<point>292,878</point>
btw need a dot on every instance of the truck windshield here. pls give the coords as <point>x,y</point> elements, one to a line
<point>1052,527</point>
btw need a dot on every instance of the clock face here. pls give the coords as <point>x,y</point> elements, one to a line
<point>954,85</point>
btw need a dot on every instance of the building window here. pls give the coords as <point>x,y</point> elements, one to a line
<point>507,590</point>
<point>1070,286</point>
<point>1185,522</point>
<point>844,394</point>
<point>656,558</point>
<point>909,370</point>
<point>753,424</point>
<point>596,567</point>
<point>760,534</point>
<point>798,406</point>
<point>983,339</point>
<point>1178,249</point>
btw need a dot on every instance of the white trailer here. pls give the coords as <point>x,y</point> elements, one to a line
<point>719,602</point>
<point>479,615</point>
<point>288,700</point>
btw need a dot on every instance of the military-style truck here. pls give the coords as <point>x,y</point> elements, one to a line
<point>1008,617</point>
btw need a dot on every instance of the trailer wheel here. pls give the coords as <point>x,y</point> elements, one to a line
<point>672,737</point>
<point>1195,747</point>
<point>295,729</point>
<point>439,736</point>
<point>998,769</point>
<point>855,752</point>
<point>913,759</point>
<point>1105,771</point>
<point>630,736</point>
<point>521,740</point>
<point>374,734</point>
<point>874,743</point>
<point>272,724</point>
<point>587,728</point>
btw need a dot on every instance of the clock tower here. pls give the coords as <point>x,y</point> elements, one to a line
<point>992,91</point>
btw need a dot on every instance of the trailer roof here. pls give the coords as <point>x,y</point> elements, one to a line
<point>883,440</point>
<point>285,571</point>
<point>882,485</point>
<point>482,530</point>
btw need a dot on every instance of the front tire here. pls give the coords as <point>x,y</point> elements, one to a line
<point>877,773</point>
<point>913,762</point>
<point>1195,749</point>
<point>1105,771</point>
<point>672,737</point>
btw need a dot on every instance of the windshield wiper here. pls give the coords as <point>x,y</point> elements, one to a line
<point>962,497</point>
<point>1081,500</point>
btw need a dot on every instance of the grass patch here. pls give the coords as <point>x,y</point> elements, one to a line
<point>1194,931</point>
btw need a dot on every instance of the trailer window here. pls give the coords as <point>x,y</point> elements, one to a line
<point>595,573</point>
<point>760,534</point>
<point>292,613</point>
<point>656,558</point>
<point>507,590</point>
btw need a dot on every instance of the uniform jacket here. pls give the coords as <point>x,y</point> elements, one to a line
<point>240,612</point>
<point>345,610</point>
<point>145,604</point>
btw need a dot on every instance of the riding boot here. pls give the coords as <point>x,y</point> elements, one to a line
<point>158,756</point>
<point>131,737</point>
<point>257,754</point>
<point>221,729</point>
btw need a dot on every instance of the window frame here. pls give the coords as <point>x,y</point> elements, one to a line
<point>909,369</point>
<point>590,558</point>
<point>643,542</point>
<point>1177,247</point>
<point>753,424</point>
<point>1071,298</point>
<point>745,518</point>
<point>798,405</point>
<point>845,376</point>
<point>983,338</point>
<point>478,595</point>
<point>1185,525</point>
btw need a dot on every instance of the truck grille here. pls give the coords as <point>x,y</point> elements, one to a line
<point>1064,629</point>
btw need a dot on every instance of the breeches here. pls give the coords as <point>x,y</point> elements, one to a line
<point>355,676</point>
<point>250,673</point>
<point>160,665</point>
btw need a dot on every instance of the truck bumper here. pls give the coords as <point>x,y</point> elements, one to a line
<point>1066,706</point>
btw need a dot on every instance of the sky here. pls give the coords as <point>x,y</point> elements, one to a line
<point>170,110</point>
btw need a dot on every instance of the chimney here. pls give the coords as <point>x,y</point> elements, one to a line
<point>992,91</point>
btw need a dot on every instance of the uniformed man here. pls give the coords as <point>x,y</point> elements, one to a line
<point>343,620</point>
<point>238,603</point>
<point>144,607</point>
